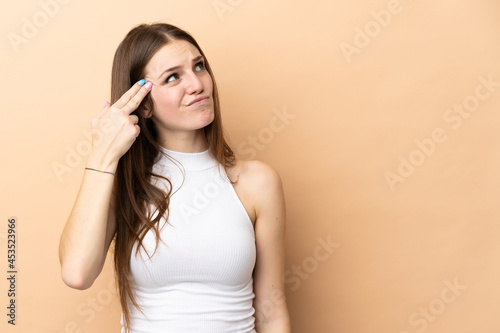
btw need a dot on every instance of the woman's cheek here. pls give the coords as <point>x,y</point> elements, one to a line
<point>160,101</point>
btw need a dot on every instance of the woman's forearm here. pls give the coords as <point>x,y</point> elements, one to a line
<point>87,233</point>
<point>275,324</point>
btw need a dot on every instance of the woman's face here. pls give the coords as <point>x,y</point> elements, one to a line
<point>175,89</point>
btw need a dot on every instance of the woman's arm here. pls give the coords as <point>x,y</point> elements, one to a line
<point>91,226</point>
<point>89,230</point>
<point>271,310</point>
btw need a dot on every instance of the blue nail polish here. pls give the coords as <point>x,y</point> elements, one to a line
<point>142,81</point>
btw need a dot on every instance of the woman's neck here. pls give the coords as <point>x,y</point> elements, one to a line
<point>184,142</point>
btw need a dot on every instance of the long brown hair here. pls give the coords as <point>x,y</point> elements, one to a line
<point>133,188</point>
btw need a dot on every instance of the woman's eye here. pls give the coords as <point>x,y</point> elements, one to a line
<point>171,76</point>
<point>201,64</point>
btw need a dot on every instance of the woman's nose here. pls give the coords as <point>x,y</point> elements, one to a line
<point>194,84</point>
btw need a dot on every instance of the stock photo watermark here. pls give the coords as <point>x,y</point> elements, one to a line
<point>364,36</point>
<point>222,7</point>
<point>75,155</point>
<point>254,143</point>
<point>201,198</point>
<point>454,117</point>
<point>88,309</point>
<point>265,309</point>
<point>429,313</point>
<point>298,273</point>
<point>12,240</point>
<point>294,276</point>
<point>31,25</point>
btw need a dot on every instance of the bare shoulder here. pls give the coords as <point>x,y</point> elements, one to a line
<point>255,174</point>
<point>259,187</point>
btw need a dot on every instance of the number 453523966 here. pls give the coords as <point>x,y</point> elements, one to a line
<point>11,243</point>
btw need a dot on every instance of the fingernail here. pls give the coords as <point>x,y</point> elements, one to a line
<point>106,103</point>
<point>148,85</point>
<point>142,81</point>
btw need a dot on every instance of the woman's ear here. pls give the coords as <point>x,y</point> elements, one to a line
<point>146,110</point>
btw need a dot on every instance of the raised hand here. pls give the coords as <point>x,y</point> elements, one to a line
<point>115,129</point>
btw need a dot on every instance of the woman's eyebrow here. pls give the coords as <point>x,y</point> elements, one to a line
<point>178,67</point>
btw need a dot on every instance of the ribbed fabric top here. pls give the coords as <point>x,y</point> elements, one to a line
<point>200,277</point>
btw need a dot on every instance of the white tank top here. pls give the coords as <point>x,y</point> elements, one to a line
<point>200,277</point>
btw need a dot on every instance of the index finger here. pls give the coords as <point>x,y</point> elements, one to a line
<point>131,99</point>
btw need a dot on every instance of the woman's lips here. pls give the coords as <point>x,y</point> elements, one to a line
<point>198,100</point>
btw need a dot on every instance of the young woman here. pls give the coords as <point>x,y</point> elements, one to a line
<point>199,234</point>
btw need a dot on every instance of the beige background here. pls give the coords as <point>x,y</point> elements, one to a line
<point>363,98</point>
